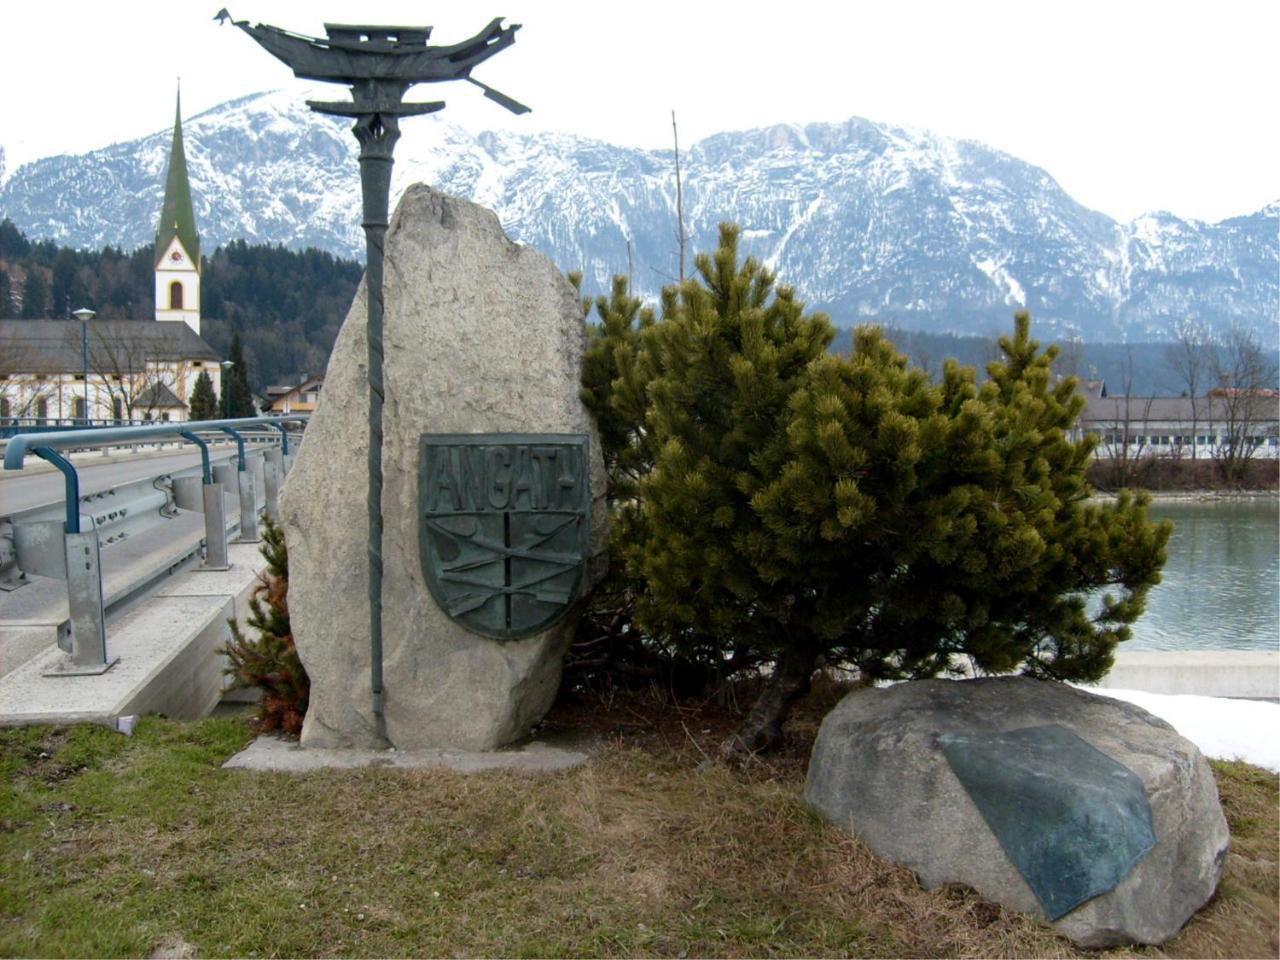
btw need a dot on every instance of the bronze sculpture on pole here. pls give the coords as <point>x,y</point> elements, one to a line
<point>380,64</point>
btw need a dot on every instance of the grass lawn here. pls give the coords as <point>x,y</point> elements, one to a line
<point>144,846</point>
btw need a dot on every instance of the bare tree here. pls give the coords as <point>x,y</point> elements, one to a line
<point>990,351</point>
<point>1189,358</point>
<point>680,234</point>
<point>138,368</point>
<point>918,347</point>
<point>1070,353</point>
<point>1126,435</point>
<point>1244,401</point>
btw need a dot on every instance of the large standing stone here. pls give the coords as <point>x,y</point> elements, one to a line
<point>482,336</point>
<point>877,770</point>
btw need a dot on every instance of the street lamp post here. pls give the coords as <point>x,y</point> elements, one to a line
<point>84,315</point>
<point>226,366</point>
<point>379,64</point>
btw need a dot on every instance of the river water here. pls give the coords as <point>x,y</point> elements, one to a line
<point>1221,586</point>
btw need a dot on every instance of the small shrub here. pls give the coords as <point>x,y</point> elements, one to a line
<point>269,662</point>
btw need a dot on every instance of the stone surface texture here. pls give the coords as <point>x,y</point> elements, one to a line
<point>482,336</point>
<point>877,772</point>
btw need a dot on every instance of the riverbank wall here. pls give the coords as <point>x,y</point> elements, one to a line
<point>1243,674</point>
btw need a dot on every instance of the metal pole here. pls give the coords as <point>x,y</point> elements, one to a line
<point>23,443</point>
<point>368,58</point>
<point>377,135</point>
<point>206,474</point>
<point>215,524</point>
<point>71,488</point>
<point>86,620</point>
<point>272,476</point>
<point>239,439</point>
<point>84,315</point>
<point>247,493</point>
<point>84,354</point>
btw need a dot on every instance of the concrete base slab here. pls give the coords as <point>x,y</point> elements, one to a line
<point>245,561</point>
<point>18,644</point>
<point>168,661</point>
<point>152,642</point>
<point>276,754</point>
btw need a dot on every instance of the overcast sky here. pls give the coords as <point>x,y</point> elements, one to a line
<point>1132,106</point>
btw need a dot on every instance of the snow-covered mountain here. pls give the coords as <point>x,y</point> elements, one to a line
<point>866,220</point>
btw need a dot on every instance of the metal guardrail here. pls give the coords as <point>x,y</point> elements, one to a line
<point>86,637</point>
<point>12,426</point>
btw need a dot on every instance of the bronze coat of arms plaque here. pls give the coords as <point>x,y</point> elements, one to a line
<point>505,527</point>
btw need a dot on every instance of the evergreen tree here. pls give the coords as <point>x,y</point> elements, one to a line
<point>13,242</point>
<point>204,402</point>
<point>269,661</point>
<point>35,296</point>
<point>804,505</point>
<point>6,296</point>
<point>64,285</point>
<point>613,387</point>
<point>235,388</point>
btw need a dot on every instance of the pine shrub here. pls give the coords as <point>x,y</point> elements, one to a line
<point>269,661</point>
<point>778,506</point>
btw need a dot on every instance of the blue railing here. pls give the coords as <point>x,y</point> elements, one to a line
<point>46,444</point>
<point>86,638</point>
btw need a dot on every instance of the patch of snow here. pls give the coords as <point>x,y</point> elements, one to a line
<point>1223,729</point>
<point>771,264</point>
<point>949,155</point>
<point>1149,229</point>
<point>1014,294</point>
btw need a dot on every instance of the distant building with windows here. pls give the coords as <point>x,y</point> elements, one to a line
<point>136,369</point>
<point>302,397</point>
<point>1181,427</point>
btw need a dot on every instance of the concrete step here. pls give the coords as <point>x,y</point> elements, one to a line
<point>166,643</point>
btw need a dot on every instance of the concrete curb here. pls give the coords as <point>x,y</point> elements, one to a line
<point>277,755</point>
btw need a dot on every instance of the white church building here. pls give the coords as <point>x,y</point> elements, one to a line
<point>120,370</point>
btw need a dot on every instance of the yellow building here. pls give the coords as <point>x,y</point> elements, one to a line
<point>301,398</point>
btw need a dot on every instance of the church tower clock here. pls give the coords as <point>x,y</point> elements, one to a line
<point>177,244</point>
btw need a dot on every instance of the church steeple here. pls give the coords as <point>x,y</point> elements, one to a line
<point>176,216</point>
<point>177,243</point>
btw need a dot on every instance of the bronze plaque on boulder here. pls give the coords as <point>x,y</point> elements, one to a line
<point>504,521</point>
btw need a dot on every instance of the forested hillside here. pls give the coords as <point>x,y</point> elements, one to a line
<point>1139,369</point>
<point>286,306</point>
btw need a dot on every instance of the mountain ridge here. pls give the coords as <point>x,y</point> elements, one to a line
<point>868,221</point>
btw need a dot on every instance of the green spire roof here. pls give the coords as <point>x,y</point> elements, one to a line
<point>176,216</point>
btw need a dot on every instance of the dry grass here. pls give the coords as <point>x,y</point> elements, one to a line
<point>146,847</point>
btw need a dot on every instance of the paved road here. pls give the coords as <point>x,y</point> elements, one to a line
<point>28,488</point>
